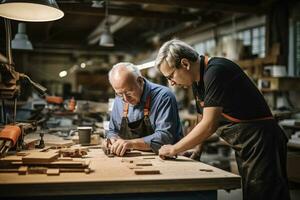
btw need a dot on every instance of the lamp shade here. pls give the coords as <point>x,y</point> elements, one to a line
<point>106,38</point>
<point>21,39</point>
<point>30,10</point>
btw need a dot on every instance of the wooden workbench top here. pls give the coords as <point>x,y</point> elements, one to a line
<point>113,175</point>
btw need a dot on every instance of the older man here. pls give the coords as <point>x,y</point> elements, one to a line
<point>144,115</point>
<point>222,89</point>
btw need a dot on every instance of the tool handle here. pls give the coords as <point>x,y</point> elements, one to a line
<point>10,132</point>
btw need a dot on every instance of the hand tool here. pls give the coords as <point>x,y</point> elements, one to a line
<point>9,137</point>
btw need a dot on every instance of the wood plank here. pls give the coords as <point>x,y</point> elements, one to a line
<point>40,157</point>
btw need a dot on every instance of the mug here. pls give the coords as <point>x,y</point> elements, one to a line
<point>84,134</point>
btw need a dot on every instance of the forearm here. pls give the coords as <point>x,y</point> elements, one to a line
<point>139,144</point>
<point>198,135</point>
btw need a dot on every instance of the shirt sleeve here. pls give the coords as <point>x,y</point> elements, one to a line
<point>167,124</point>
<point>114,126</point>
<point>215,85</point>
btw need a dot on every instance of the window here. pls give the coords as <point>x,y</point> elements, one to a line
<point>258,41</point>
<point>297,48</point>
<point>253,37</point>
<point>205,47</point>
<point>245,36</point>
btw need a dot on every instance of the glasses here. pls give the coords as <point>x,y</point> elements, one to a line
<point>171,76</point>
<point>127,94</point>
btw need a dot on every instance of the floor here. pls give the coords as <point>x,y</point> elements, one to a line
<point>237,194</point>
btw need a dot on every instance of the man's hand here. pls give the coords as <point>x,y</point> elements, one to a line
<point>120,146</point>
<point>108,142</point>
<point>167,151</point>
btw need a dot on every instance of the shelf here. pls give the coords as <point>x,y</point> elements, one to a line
<point>284,84</point>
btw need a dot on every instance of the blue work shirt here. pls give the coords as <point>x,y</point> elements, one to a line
<point>164,116</point>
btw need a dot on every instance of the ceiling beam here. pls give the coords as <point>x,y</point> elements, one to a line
<point>203,4</point>
<point>139,13</point>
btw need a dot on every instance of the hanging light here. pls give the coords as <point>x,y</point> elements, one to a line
<point>30,10</point>
<point>21,39</point>
<point>106,38</point>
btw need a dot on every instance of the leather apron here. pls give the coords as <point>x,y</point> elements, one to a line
<point>260,150</point>
<point>139,128</point>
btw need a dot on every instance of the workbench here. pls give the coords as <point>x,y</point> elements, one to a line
<point>112,178</point>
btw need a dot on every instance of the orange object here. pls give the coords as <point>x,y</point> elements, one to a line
<point>54,99</point>
<point>72,104</point>
<point>10,132</point>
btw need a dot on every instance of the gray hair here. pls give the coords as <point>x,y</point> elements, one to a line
<point>173,51</point>
<point>129,66</point>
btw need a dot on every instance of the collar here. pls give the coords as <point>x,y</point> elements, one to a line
<point>146,92</point>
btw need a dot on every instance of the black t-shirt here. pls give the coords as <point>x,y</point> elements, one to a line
<point>227,86</point>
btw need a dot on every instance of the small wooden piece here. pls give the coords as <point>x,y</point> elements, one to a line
<point>23,170</point>
<point>132,166</point>
<point>143,164</point>
<point>206,170</point>
<point>146,171</point>
<point>37,170</point>
<point>149,158</point>
<point>22,153</point>
<point>132,154</point>
<point>74,153</point>
<point>65,159</point>
<point>52,172</point>
<point>127,160</point>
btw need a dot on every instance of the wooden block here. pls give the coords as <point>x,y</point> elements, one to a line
<point>12,159</point>
<point>143,164</point>
<point>149,158</point>
<point>52,172</point>
<point>85,170</point>
<point>40,157</point>
<point>132,154</point>
<point>65,159</point>
<point>74,153</point>
<point>59,144</point>
<point>146,171</point>
<point>206,170</point>
<point>21,153</point>
<point>37,170</point>
<point>127,160</point>
<point>132,166</point>
<point>23,170</point>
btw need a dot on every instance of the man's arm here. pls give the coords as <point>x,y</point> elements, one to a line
<point>166,123</point>
<point>205,128</point>
<point>120,146</point>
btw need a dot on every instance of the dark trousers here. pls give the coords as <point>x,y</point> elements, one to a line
<point>260,149</point>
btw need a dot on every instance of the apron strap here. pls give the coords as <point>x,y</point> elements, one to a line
<point>233,119</point>
<point>125,109</point>
<point>147,106</point>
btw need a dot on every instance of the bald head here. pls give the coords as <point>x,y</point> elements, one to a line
<point>126,80</point>
<point>123,72</point>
